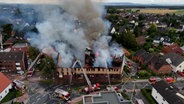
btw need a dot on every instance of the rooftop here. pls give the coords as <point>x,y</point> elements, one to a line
<point>20,45</point>
<point>13,56</point>
<point>175,58</point>
<point>109,97</point>
<point>174,48</point>
<point>5,82</point>
<point>169,92</point>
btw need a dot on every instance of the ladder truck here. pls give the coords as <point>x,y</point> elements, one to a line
<point>90,87</point>
<point>30,68</point>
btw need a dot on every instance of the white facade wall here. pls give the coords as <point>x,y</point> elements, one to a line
<point>180,67</point>
<point>5,92</point>
<point>158,97</point>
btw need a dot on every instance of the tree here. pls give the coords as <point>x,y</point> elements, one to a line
<point>152,31</point>
<point>127,39</point>
<point>141,17</point>
<point>7,31</point>
<point>33,52</point>
<point>137,31</point>
<point>147,46</point>
<point>47,67</point>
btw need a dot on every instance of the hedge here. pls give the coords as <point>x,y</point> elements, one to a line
<point>147,95</point>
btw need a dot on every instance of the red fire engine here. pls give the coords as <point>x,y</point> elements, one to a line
<point>62,94</point>
<point>169,80</point>
<point>152,80</point>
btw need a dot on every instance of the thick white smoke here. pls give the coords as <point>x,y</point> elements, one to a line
<point>70,32</point>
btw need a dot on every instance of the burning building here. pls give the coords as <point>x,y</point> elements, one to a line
<point>95,74</point>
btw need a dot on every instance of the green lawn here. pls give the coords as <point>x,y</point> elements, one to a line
<point>179,12</point>
<point>11,95</point>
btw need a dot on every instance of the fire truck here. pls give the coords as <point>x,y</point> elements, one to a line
<point>152,80</point>
<point>169,80</point>
<point>112,88</point>
<point>95,87</point>
<point>62,94</point>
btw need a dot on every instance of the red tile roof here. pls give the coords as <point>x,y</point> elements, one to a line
<point>174,48</point>
<point>4,82</point>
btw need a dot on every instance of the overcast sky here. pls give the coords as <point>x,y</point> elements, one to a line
<point>151,1</point>
<point>133,1</point>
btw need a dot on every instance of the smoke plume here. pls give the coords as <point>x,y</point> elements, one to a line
<point>70,28</point>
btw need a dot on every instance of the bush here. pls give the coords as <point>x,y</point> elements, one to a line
<point>147,95</point>
<point>125,96</point>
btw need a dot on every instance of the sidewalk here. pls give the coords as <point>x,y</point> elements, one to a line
<point>24,98</point>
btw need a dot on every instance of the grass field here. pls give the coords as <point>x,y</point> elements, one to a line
<point>162,11</point>
<point>157,11</point>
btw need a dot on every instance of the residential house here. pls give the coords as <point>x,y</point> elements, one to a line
<point>20,47</point>
<point>179,28</point>
<point>126,52</point>
<point>143,57</point>
<point>108,97</point>
<point>159,65</point>
<point>5,85</point>
<point>141,40</point>
<point>154,62</point>
<point>166,41</point>
<point>176,61</point>
<point>174,48</point>
<point>162,25</point>
<point>13,62</point>
<point>156,40</point>
<point>159,39</point>
<point>165,93</point>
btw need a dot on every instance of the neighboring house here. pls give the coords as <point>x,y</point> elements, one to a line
<point>109,97</point>
<point>159,65</point>
<point>13,62</point>
<point>165,93</point>
<point>164,40</point>
<point>179,28</point>
<point>141,40</point>
<point>176,61</point>
<point>20,47</point>
<point>126,52</point>
<point>162,25</point>
<point>9,42</point>
<point>5,85</point>
<point>154,62</point>
<point>143,57</point>
<point>174,48</point>
<point>156,40</point>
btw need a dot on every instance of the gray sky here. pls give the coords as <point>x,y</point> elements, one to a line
<point>134,1</point>
<point>151,1</point>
